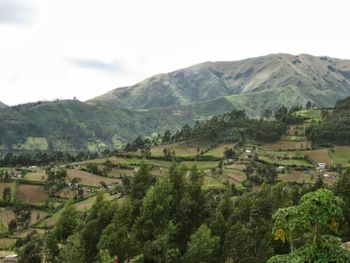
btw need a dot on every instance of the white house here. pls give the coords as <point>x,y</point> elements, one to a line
<point>321,166</point>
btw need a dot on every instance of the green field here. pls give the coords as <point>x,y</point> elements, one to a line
<point>218,151</point>
<point>286,162</point>
<point>211,182</point>
<point>314,114</point>
<point>180,150</point>
<point>201,165</point>
<point>341,155</point>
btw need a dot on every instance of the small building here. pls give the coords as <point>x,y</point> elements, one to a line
<point>207,172</point>
<point>320,166</point>
<point>249,154</point>
<point>33,168</point>
<point>280,169</point>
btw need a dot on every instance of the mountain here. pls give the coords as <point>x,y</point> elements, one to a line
<point>322,80</point>
<point>168,101</point>
<point>2,105</point>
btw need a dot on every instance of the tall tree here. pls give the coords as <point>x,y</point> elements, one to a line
<point>202,246</point>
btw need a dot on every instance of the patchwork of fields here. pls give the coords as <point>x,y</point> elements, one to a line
<point>293,156</point>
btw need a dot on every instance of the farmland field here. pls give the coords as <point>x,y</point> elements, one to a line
<point>86,178</point>
<point>36,176</point>
<point>218,151</point>
<point>313,115</point>
<point>235,175</point>
<point>295,176</point>
<point>180,150</point>
<point>211,182</point>
<point>201,165</point>
<point>285,162</point>
<point>341,155</point>
<point>7,215</point>
<point>319,156</point>
<point>118,172</point>
<point>26,193</point>
<point>286,145</point>
<point>7,242</point>
<point>86,204</point>
<point>113,159</point>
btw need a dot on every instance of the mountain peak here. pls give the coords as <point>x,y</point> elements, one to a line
<point>322,80</point>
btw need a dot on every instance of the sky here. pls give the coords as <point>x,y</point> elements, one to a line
<point>60,49</point>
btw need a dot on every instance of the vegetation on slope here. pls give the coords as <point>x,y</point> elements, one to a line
<point>321,80</point>
<point>2,105</point>
<point>335,127</point>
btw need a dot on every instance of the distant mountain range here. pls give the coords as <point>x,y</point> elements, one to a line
<point>167,101</point>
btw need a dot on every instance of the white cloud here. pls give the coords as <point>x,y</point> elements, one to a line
<point>131,40</point>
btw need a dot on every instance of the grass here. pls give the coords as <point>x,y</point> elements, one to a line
<point>341,155</point>
<point>218,151</point>
<point>89,179</point>
<point>118,172</point>
<point>210,182</point>
<point>314,114</point>
<point>287,145</point>
<point>285,162</point>
<point>6,215</point>
<point>295,176</point>
<point>36,176</point>
<point>237,176</point>
<point>281,154</point>
<point>319,156</point>
<point>206,165</point>
<point>7,242</point>
<point>115,160</point>
<point>181,150</point>
<point>27,193</point>
<point>86,204</point>
<point>80,206</point>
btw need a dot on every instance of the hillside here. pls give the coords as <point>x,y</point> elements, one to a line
<point>65,125</point>
<point>322,80</point>
<point>73,125</point>
<point>169,101</point>
<point>2,105</point>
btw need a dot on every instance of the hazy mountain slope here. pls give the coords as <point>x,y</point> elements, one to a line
<point>169,101</point>
<point>2,105</point>
<point>311,75</point>
<point>66,125</point>
<point>74,125</point>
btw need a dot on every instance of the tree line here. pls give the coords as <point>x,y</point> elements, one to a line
<point>230,127</point>
<point>175,219</point>
<point>334,127</point>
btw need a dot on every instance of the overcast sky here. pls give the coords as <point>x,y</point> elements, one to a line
<point>63,48</point>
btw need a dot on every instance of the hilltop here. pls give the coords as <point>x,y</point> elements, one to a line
<point>321,80</point>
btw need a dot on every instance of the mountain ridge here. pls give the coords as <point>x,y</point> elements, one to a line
<point>189,95</point>
<point>210,80</point>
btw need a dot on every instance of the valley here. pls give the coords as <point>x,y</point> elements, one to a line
<point>236,167</point>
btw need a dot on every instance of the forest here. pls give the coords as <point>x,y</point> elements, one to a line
<point>174,219</point>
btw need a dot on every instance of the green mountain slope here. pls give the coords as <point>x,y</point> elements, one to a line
<point>322,80</point>
<point>65,125</point>
<point>169,101</point>
<point>74,125</point>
